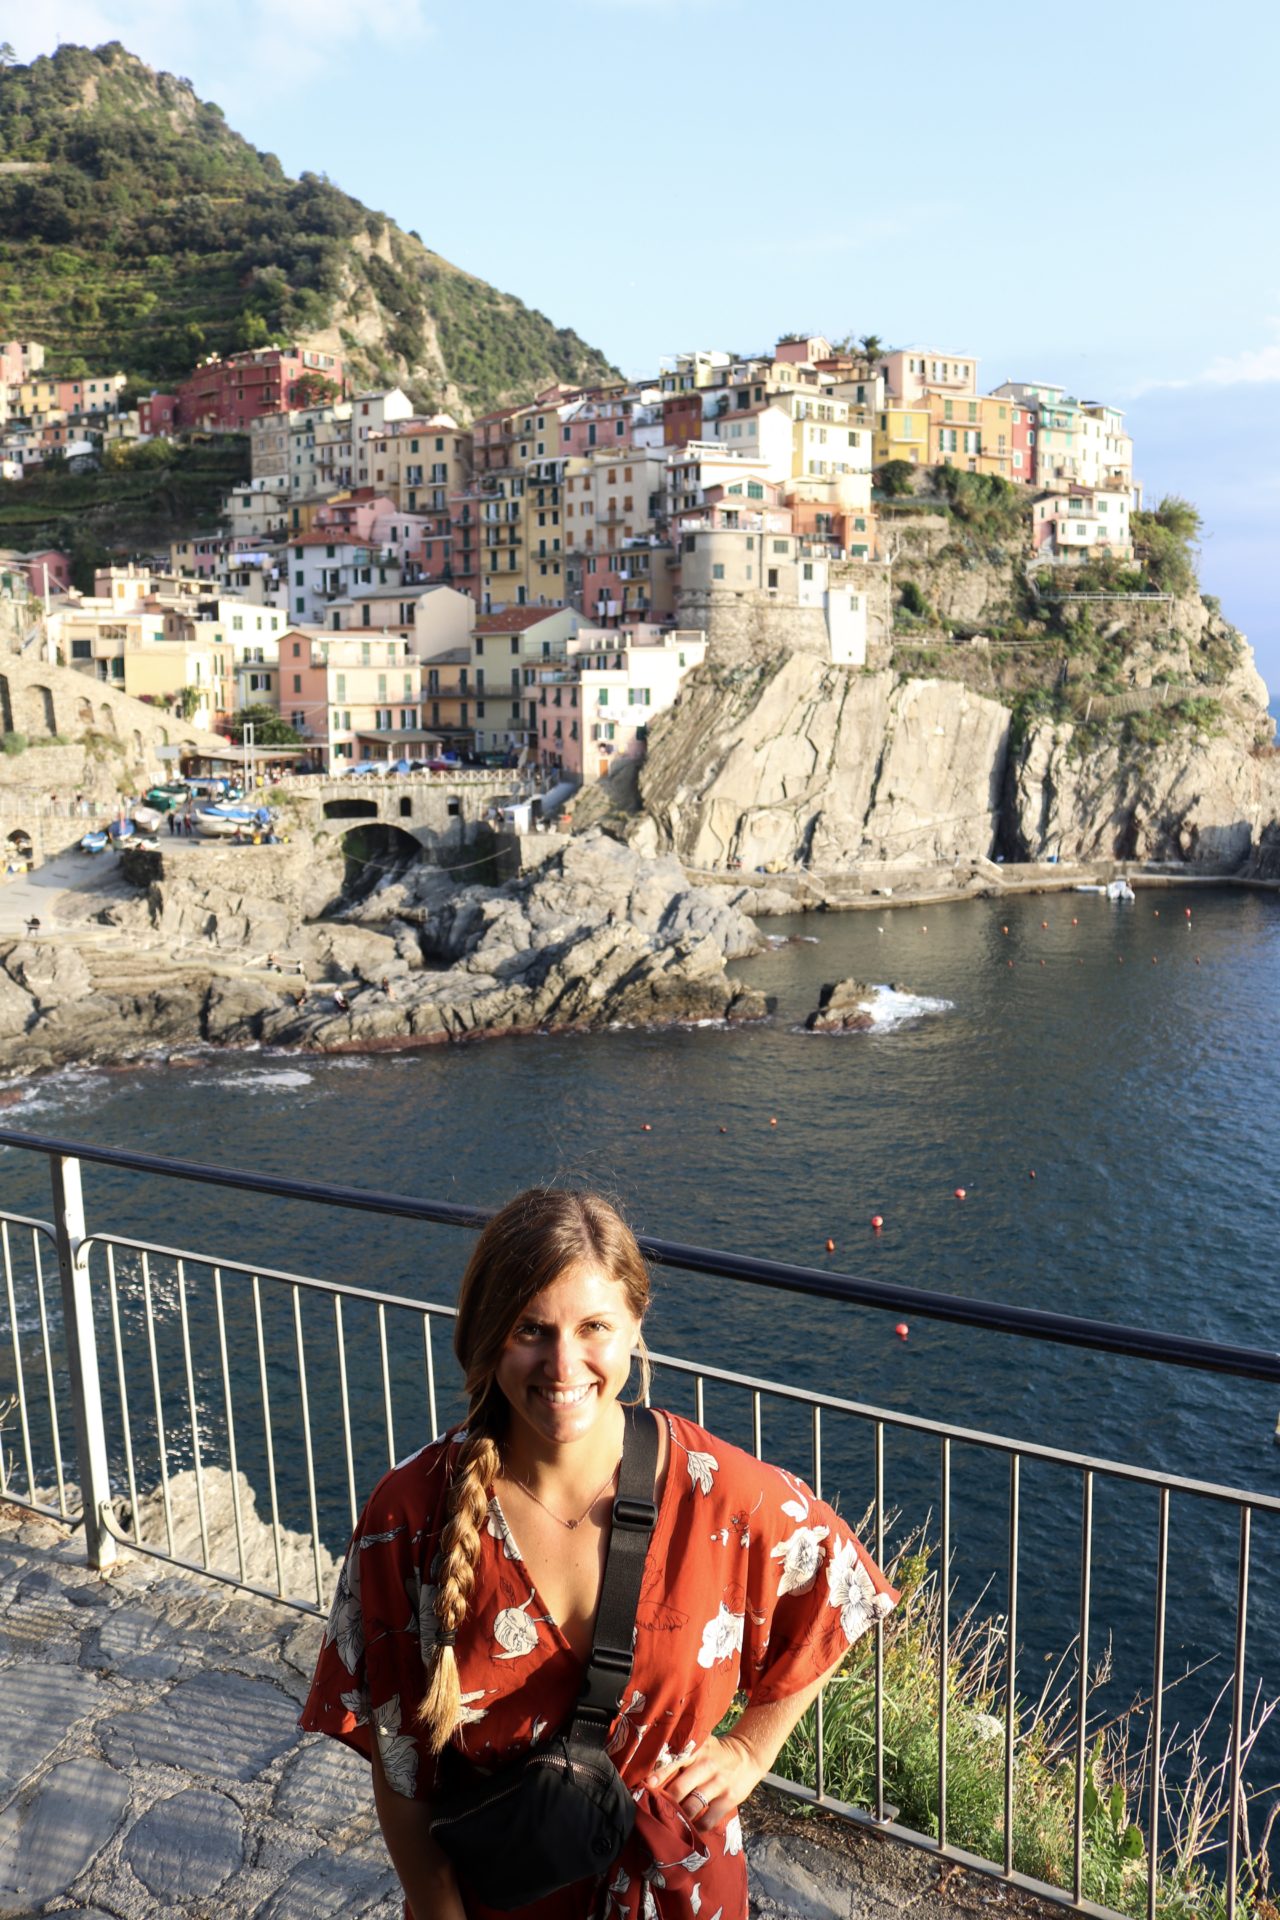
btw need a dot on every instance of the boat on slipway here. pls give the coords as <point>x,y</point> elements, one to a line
<point>224,822</point>
<point>1114,890</point>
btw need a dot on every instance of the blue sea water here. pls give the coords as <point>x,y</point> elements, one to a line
<point>1128,1056</point>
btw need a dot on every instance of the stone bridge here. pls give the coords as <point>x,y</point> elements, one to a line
<point>429,808</point>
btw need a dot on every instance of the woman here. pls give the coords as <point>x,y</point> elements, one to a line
<point>464,1610</point>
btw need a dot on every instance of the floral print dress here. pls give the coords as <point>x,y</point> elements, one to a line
<point>750,1583</point>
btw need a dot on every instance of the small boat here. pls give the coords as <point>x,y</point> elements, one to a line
<point>223,823</point>
<point>150,819</point>
<point>1121,890</point>
<point>122,828</point>
<point>93,843</point>
<point>1091,889</point>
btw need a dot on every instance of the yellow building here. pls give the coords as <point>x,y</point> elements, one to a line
<point>971,431</point>
<point>902,433</point>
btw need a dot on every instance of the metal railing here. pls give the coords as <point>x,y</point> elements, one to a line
<point>177,1366</point>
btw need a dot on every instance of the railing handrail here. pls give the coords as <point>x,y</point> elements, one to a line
<point>1034,1323</point>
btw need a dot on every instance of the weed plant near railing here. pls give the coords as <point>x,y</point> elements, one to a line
<point>1196,1792</point>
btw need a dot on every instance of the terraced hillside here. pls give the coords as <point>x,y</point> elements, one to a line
<point>139,231</point>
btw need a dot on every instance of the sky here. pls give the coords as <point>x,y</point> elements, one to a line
<point>1084,195</point>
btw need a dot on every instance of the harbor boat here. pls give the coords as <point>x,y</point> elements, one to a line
<point>93,843</point>
<point>1121,890</point>
<point>122,828</point>
<point>1082,888</point>
<point>223,823</point>
<point>150,819</point>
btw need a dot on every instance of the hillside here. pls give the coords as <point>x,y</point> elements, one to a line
<point>138,231</point>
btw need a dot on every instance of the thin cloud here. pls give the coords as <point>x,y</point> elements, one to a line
<point>1252,367</point>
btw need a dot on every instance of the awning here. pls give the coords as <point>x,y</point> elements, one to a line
<point>410,736</point>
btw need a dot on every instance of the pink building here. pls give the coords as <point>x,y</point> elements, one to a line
<point>373,519</point>
<point>19,359</point>
<point>157,415</point>
<point>47,570</point>
<point>226,395</point>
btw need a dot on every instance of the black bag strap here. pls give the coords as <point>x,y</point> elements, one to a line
<point>635,1514</point>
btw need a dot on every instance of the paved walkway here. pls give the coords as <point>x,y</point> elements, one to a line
<point>150,1766</point>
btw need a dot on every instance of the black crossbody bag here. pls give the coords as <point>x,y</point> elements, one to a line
<point>563,1813</point>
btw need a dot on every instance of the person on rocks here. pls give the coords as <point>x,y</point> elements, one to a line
<point>463,1619</point>
<point>341,1001</point>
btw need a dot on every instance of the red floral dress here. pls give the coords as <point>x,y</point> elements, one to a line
<point>750,1583</point>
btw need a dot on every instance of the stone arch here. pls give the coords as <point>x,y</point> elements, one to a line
<point>453,806</point>
<point>84,712</point>
<point>20,840</point>
<point>106,718</point>
<point>41,716</point>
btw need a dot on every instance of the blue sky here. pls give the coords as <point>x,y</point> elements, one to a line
<point>1084,195</point>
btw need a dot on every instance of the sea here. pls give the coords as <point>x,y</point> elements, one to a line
<point>1102,1082</point>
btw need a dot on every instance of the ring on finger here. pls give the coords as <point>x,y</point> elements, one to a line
<point>701,1798</point>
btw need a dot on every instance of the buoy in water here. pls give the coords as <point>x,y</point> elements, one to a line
<point>1157,913</point>
<point>902,1330</point>
<point>1032,1173</point>
<point>1187,911</point>
<point>1004,929</point>
<point>1074,921</point>
<point>960,1192</point>
<point>1044,923</point>
<point>877,1221</point>
<point>831,1246</point>
<point>774,1121</point>
<point>724,1129</point>
<point>646,1128</point>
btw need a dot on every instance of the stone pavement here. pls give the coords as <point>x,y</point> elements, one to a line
<point>150,1765</point>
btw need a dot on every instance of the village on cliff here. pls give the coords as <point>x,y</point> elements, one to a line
<point>531,589</point>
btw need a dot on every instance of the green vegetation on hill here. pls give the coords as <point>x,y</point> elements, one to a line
<point>140,232</point>
<point>146,497</point>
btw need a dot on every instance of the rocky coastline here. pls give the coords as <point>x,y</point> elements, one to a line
<point>260,946</point>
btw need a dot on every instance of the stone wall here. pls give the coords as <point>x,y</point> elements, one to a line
<point>747,627</point>
<point>115,735</point>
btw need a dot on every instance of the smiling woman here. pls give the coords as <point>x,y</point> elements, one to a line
<point>452,1650</point>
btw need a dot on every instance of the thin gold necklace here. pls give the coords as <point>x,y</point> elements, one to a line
<point>570,1524</point>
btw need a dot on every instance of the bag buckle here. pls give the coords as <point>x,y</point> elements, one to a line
<point>635,1513</point>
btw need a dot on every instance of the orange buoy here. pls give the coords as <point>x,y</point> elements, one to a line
<point>1187,911</point>
<point>902,1329</point>
<point>877,1221</point>
<point>1010,963</point>
<point>646,1128</point>
<point>831,1246</point>
<point>1074,921</point>
<point>1033,1173</point>
<point>960,1193</point>
<point>774,1121</point>
<point>1004,929</point>
<point>724,1129</point>
<point>1044,923</point>
<point>1157,913</point>
<point>924,929</point>
<point>1155,959</point>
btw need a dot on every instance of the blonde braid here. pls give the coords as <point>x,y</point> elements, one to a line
<point>477,1466</point>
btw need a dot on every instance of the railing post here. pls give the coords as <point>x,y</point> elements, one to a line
<point>82,1358</point>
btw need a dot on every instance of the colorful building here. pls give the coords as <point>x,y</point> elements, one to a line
<point>227,395</point>
<point>351,697</point>
<point>1082,521</point>
<point>594,706</point>
<point>912,372</point>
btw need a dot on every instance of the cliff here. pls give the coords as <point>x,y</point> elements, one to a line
<point>1016,712</point>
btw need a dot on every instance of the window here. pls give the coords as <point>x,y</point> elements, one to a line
<point>297,683</point>
<point>717,570</point>
<point>773,577</point>
<point>780,546</point>
<point>340,686</point>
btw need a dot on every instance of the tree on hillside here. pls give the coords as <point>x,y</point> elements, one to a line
<point>1163,540</point>
<point>315,390</point>
<point>269,730</point>
<point>8,58</point>
<point>872,347</point>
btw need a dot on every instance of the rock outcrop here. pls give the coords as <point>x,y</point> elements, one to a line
<point>224,949</point>
<point>805,764</point>
<point>844,1006</point>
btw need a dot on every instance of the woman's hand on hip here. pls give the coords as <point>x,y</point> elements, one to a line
<point>711,1785</point>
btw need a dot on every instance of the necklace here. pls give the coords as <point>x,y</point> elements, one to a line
<point>570,1524</point>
